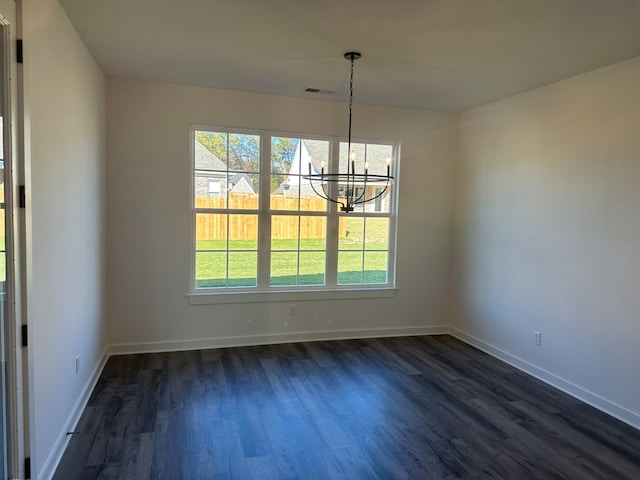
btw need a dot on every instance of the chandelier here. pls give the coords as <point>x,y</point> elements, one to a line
<point>353,185</point>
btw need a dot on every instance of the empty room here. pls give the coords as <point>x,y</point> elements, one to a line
<point>249,239</point>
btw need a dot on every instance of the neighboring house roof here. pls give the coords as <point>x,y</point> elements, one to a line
<point>318,151</point>
<point>241,184</point>
<point>205,160</point>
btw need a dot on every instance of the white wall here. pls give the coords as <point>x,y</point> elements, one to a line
<point>64,92</point>
<point>149,218</point>
<point>548,234</point>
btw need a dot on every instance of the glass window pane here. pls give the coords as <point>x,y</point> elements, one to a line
<point>284,154</point>
<point>285,167</point>
<point>377,234</point>
<point>284,232</point>
<point>375,267</point>
<point>211,231</point>
<point>211,269</point>
<point>243,269</point>
<point>286,197</point>
<point>210,189</point>
<point>313,233</point>
<point>312,265</point>
<point>349,268</point>
<point>351,233</point>
<point>283,197</point>
<point>284,268</point>
<point>210,150</point>
<point>244,152</point>
<point>243,232</point>
<point>315,157</point>
<point>243,191</point>
<point>377,156</point>
<point>381,199</point>
<point>280,186</point>
<point>359,158</point>
<point>310,201</point>
<point>291,158</point>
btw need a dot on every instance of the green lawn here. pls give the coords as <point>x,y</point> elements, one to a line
<point>362,259</point>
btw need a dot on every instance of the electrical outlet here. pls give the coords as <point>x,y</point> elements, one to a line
<point>77,364</point>
<point>537,338</point>
<point>292,310</point>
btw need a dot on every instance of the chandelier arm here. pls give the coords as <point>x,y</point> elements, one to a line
<point>323,194</point>
<point>364,191</point>
<point>337,202</point>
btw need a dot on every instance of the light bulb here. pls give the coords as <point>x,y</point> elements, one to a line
<point>352,155</point>
<point>388,160</point>
<point>366,165</point>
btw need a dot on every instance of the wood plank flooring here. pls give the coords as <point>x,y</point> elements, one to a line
<point>398,408</point>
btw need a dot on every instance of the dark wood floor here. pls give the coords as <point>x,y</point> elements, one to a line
<point>412,407</point>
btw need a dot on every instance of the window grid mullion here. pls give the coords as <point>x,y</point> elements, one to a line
<point>227,252</point>
<point>265,214</point>
<point>298,179</point>
<point>226,211</point>
<point>333,219</point>
<point>298,252</point>
<point>364,242</point>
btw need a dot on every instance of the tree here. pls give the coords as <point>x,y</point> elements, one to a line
<point>283,150</point>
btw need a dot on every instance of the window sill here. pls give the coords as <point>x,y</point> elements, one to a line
<point>209,298</point>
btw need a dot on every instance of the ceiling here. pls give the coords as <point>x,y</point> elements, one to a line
<point>442,54</point>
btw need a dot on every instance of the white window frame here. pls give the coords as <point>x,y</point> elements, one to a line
<point>264,292</point>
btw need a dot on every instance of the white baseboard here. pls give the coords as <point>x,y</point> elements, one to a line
<point>223,342</point>
<point>611,408</point>
<point>49,468</point>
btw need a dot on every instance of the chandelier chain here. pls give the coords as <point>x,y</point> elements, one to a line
<point>350,106</point>
<point>346,182</point>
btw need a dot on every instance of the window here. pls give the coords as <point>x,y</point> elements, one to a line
<point>227,221</point>
<point>260,227</point>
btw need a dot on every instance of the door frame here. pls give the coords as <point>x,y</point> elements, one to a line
<point>17,354</point>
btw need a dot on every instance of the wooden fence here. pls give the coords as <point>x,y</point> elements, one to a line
<point>245,226</point>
